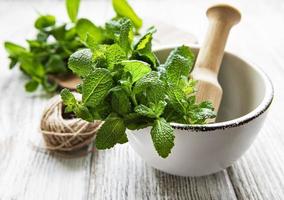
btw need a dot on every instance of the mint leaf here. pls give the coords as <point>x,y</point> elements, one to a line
<point>32,67</point>
<point>81,62</point>
<point>199,113</point>
<point>145,111</point>
<point>156,92</point>
<point>136,68</point>
<point>31,86</point>
<point>143,49</point>
<point>146,81</point>
<point>154,111</point>
<point>96,86</point>
<point>121,30</point>
<point>179,64</point>
<point>14,50</point>
<point>177,99</point>
<point>48,85</point>
<point>44,21</point>
<point>120,102</point>
<point>114,54</point>
<point>85,26</point>
<point>58,32</point>
<point>72,105</point>
<point>163,137</point>
<point>135,121</point>
<point>83,112</point>
<point>123,9</point>
<point>72,7</point>
<point>68,99</point>
<point>55,65</point>
<point>111,133</point>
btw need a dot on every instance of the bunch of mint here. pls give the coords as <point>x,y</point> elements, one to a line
<point>47,55</point>
<point>125,86</point>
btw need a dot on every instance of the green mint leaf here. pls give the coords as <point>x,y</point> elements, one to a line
<point>99,56</point>
<point>179,64</point>
<point>111,133</point>
<point>158,108</point>
<point>55,65</point>
<point>83,112</point>
<point>85,26</point>
<point>31,86</point>
<point>154,111</point>
<point>146,81</point>
<point>72,7</point>
<point>81,62</point>
<point>42,36</point>
<point>95,87</point>
<point>144,42</point>
<point>44,21</point>
<point>177,99</point>
<point>136,68</point>
<point>143,49</point>
<point>123,9</point>
<point>14,50</point>
<point>58,32</point>
<point>32,67</point>
<point>120,101</point>
<point>48,85</point>
<point>199,113</point>
<point>156,92</point>
<point>163,137</point>
<point>152,87</point>
<point>72,105</point>
<point>121,30</point>
<point>114,54</point>
<point>13,62</point>
<point>145,111</point>
<point>135,121</point>
<point>68,99</point>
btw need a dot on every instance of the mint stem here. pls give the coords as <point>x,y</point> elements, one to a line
<point>133,98</point>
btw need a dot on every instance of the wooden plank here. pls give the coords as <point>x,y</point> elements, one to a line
<point>120,174</point>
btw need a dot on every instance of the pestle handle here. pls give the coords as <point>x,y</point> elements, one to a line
<point>222,18</point>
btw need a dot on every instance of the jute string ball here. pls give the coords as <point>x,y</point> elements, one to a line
<point>65,134</point>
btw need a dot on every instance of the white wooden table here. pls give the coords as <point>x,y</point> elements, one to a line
<point>119,173</point>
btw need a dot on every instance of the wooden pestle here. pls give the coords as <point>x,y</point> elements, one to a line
<point>221,19</point>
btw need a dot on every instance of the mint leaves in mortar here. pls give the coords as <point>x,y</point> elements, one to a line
<point>125,86</point>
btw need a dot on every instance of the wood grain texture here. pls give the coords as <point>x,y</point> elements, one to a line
<point>26,173</point>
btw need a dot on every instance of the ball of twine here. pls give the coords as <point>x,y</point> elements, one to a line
<point>65,135</point>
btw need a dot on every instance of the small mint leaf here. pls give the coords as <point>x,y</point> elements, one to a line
<point>179,64</point>
<point>72,7</point>
<point>81,62</point>
<point>31,86</point>
<point>95,87</point>
<point>136,68</point>
<point>44,21</point>
<point>85,26</point>
<point>163,137</point>
<point>123,9</point>
<point>111,133</point>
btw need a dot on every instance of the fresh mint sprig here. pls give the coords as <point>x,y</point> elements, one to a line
<point>47,55</point>
<point>125,86</point>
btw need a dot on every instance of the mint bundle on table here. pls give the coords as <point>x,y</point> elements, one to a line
<point>45,59</point>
